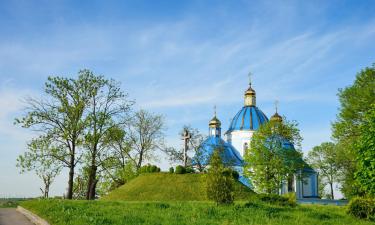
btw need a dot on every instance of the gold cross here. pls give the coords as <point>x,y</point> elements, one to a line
<point>249,75</point>
<point>276,104</point>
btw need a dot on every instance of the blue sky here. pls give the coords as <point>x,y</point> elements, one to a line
<point>180,58</point>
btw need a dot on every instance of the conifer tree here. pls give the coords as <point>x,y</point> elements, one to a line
<point>220,185</point>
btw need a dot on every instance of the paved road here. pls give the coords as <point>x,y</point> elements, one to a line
<point>12,217</point>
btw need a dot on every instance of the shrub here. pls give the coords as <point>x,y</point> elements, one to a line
<point>235,175</point>
<point>149,169</point>
<point>153,169</point>
<point>281,200</point>
<point>220,183</point>
<point>189,170</point>
<point>363,208</point>
<point>231,172</point>
<point>180,169</point>
<point>171,170</point>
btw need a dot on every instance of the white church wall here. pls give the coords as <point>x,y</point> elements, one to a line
<point>238,139</point>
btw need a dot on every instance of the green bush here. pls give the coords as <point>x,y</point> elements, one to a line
<point>235,175</point>
<point>219,183</point>
<point>171,170</point>
<point>230,172</point>
<point>180,170</point>
<point>149,169</point>
<point>281,200</point>
<point>189,170</point>
<point>363,208</point>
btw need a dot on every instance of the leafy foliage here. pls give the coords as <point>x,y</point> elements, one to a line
<point>142,137</point>
<point>365,174</point>
<point>149,169</point>
<point>60,119</point>
<point>180,169</point>
<point>37,158</point>
<point>220,181</point>
<point>356,100</point>
<point>268,161</point>
<point>324,159</point>
<point>363,208</point>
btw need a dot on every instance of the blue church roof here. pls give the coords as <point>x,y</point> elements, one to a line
<point>248,118</point>
<point>286,145</point>
<point>229,155</point>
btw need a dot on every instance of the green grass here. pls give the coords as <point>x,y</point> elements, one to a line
<point>65,212</point>
<point>10,202</point>
<point>169,187</point>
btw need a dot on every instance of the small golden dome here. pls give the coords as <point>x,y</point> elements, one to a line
<point>215,122</point>
<point>250,91</point>
<point>276,118</point>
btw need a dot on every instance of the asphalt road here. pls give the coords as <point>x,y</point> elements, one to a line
<point>12,217</point>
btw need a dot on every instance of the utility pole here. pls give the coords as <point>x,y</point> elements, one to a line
<point>186,137</point>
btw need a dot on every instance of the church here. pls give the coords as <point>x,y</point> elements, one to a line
<point>238,137</point>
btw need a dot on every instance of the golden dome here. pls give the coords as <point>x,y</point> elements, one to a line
<point>215,122</point>
<point>250,91</point>
<point>276,118</point>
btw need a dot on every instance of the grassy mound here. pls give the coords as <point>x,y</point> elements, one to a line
<point>169,187</point>
<point>67,212</point>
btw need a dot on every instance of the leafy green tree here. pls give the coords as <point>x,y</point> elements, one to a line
<point>108,107</point>
<point>142,137</point>
<point>365,174</point>
<point>324,159</point>
<point>356,101</point>
<point>268,161</point>
<point>220,184</point>
<point>59,117</point>
<point>322,188</point>
<point>46,167</point>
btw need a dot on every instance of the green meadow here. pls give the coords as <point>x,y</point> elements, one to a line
<point>77,212</point>
<point>163,198</point>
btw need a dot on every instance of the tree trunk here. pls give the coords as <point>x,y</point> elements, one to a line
<point>71,177</point>
<point>93,189</point>
<point>91,185</point>
<point>331,185</point>
<point>139,165</point>
<point>46,191</point>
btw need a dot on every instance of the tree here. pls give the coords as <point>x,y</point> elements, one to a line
<point>108,107</point>
<point>323,158</point>
<point>322,188</point>
<point>355,102</point>
<point>59,117</point>
<point>144,135</point>
<point>365,174</point>
<point>45,167</point>
<point>220,183</point>
<point>268,163</point>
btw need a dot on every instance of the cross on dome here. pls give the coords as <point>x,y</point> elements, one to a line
<point>276,105</point>
<point>249,75</point>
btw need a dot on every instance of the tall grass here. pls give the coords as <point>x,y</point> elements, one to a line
<point>65,212</point>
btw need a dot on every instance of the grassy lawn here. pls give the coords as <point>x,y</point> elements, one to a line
<point>65,212</point>
<point>170,187</point>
